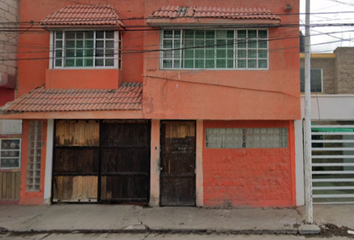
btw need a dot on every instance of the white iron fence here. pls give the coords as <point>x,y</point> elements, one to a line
<point>333,164</point>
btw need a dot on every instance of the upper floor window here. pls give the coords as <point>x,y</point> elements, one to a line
<point>316,80</point>
<point>214,49</point>
<point>86,49</point>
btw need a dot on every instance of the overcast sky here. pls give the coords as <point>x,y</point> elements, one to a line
<point>344,35</point>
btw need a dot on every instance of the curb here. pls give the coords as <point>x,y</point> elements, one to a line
<point>165,231</point>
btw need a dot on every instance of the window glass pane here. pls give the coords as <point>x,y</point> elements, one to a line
<point>210,53</point>
<point>262,54</point>
<point>79,62</point>
<point>189,33</point>
<point>109,44</point>
<point>109,34</point>
<point>70,53</point>
<point>58,35</point>
<point>167,43</point>
<point>89,35</point>
<point>199,34</point>
<point>109,53</point>
<point>221,43</point>
<point>262,64</point>
<point>220,53</point>
<point>167,63</point>
<point>100,34</point>
<point>177,64</point>
<point>188,63</point>
<point>70,35</point>
<point>167,54</point>
<point>58,44</point>
<point>167,34</point>
<point>262,34</point>
<point>210,64</point>
<point>58,62</point>
<point>79,44</point>
<point>70,44</point>
<point>88,62</point>
<point>252,33</point>
<point>252,53</point>
<point>262,44</point>
<point>241,34</point>
<point>199,53</point>
<point>99,44</point>
<point>99,53</point>
<point>109,62</point>
<point>189,53</point>
<point>210,34</point>
<point>199,63</point>
<point>230,34</point>
<point>252,63</point>
<point>69,62</point>
<point>58,53</point>
<point>241,44</point>
<point>99,62</point>
<point>242,53</point>
<point>241,64</point>
<point>230,63</point>
<point>220,63</point>
<point>252,44</point>
<point>89,44</point>
<point>230,53</point>
<point>177,34</point>
<point>79,35</point>
<point>10,163</point>
<point>221,34</point>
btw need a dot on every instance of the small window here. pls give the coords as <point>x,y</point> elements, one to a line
<point>214,49</point>
<point>316,80</point>
<point>246,138</point>
<point>87,49</point>
<point>10,153</point>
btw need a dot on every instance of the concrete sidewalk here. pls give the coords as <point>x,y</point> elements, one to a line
<point>118,218</point>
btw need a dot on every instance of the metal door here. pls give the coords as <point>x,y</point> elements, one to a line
<point>178,153</point>
<point>125,161</point>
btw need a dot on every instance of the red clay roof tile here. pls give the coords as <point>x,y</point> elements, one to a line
<point>84,14</point>
<point>127,97</point>
<point>214,12</point>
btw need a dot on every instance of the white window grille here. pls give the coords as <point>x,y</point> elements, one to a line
<point>246,137</point>
<point>214,49</point>
<point>10,153</point>
<point>34,156</point>
<point>86,49</point>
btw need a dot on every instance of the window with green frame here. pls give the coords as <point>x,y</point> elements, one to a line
<point>86,49</point>
<point>214,49</point>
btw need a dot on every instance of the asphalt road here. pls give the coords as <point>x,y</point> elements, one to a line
<point>159,237</point>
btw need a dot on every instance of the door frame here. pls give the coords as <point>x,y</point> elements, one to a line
<point>195,159</point>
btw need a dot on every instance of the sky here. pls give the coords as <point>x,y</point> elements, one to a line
<point>329,38</point>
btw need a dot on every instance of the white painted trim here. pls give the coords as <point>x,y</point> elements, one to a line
<point>299,164</point>
<point>51,51</point>
<point>49,162</point>
<point>12,150</point>
<point>155,164</point>
<point>199,164</point>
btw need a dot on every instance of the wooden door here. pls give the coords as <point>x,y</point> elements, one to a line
<point>178,153</point>
<point>76,161</point>
<point>125,161</point>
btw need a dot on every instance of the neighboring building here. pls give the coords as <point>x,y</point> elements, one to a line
<point>332,77</point>
<point>10,130</point>
<point>175,103</point>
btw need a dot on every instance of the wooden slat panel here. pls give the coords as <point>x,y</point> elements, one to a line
<point>9,186</point>
<point>75,188</point>
<point>77,133</point>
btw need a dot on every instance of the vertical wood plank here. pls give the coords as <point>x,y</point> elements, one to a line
<point>18,184</point>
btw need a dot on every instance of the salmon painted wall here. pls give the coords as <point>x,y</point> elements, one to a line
<point>6,95</point>
<point>250,177</point>
<point>228,94</point>
<point>26,197</point>
<point>32,73</point>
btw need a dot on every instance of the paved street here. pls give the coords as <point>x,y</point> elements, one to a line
<point>158,237</point>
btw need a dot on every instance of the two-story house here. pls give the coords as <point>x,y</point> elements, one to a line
<point>332,117</point>
<point>160,102</point>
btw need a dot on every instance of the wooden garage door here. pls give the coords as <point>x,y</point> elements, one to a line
<point>104,161</point>
<point>178,152</point>
<point>125,166</point>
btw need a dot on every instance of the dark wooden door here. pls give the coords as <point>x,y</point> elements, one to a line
<point>178,153</point>
<point>125,161</point>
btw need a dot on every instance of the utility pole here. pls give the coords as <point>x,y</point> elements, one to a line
<point>307,142</point>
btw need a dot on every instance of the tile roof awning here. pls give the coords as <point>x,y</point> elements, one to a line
<point>179,15</point>
<point>127,97</point>
<point>83,15</point>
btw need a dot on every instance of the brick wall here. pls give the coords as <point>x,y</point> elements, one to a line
<point>344,70</point>
<point>249,177</point>
<point>8,40</point>
<point>329,72</point>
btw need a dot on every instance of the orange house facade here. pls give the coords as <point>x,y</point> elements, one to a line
<point>165,103</point>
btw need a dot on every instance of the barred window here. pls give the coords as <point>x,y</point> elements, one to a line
<point>246,138</point>
<point>214,49</point>
<point>87,49</point>
<point>10,153</point>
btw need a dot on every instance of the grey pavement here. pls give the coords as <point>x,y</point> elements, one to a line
<point>86,218</point>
